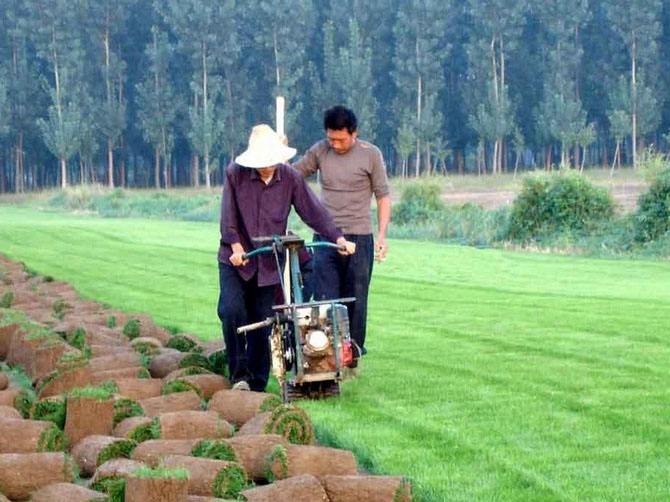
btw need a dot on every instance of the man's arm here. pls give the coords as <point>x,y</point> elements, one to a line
<point>228,223</point>
<point>383,220</point>
<point>308,163</point>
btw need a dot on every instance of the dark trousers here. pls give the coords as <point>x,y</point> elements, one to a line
<point>243,302</point>
<point>340,276</point>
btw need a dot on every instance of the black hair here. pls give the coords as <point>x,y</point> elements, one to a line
<point>340,117</point>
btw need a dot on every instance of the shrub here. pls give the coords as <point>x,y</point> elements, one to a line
<point>420,201</point>
<point>652,218</point>
<point>558,203</point>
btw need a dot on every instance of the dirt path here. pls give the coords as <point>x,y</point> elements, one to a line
<point>625,195</point>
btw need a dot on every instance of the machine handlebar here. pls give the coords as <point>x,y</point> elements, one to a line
<point>268,249</point>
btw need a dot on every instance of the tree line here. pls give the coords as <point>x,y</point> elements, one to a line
<point>163,93</point>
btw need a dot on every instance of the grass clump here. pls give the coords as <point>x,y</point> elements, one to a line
<point>99,393</point>
<point>146,432</point>
<point>214,448</point>
<point>118,449</point>
<point>229,482</point>
<point>195,359</point>
<point>131,329</point>
<point>126,408</point>
<point>111,321</point>
<point>7,300</point>
<point>178,385</point>
<point>51,409</point>
<point>114,487</point>
<point>420,201</point>
<point>161,473</point>
<point>182,343</point>
<point>60,307</point>
<point>52,439</point>
<point>278,457</point>
<point>25,401</point>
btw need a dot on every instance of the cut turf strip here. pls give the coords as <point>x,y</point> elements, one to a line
<point>238,407</point>
<point>288,421</point>
<point>305,488</point>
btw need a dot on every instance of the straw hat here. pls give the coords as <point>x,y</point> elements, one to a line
<point>266,149</point>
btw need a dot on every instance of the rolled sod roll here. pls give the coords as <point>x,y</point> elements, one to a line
<point>9,412</point>
<point>305,488</point>
<point>60,382</point>
<point>238,407</point>
<point>180,385</point>
<point>98,350</point>
<point>93,451</point>
<point>184,342</point>
<point>139,388</point>
<point>130,372</point>
<point>288,421</point>
<point>6,334</point>
<point>369,488</point>
<point>177,401</point>
<point>295,460</point>
<point>24,473</point>
<point>133,428</point>
<point>68,492</point>
<point>161,486</point>
<point>86,416</point>
<point>146,345</point>
<point>219,478</point>
<point>193,424</point>
<point>199,498</point>
<point>166,361</point>
<point>4,381</point>
<point>187,371</point>
<point>208,385</point>
<point>110,477</point>
<point>8,396</point>
<point>29,436</point>
<point>153,451</point>
<point>115,361</point>
<point>254,451</point>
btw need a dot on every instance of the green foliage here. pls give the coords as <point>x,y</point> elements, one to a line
<point>279,456</point>
<point>419,203</point>
<point>52,439</point>
<point>132,329</point>
<point>181,343</point>
<point>558,203</point>
<point>229,482</point>
<point>180,386</point>
<point>100,393</point>
<point>50,409</point>
<point>653,208</point>
<point>7,300</point>
<point>125,408</point>
<point>161,473</point>
<point>214,448</point>
<point>111,321</point>
<point>195,359</point>
<point>114,487</point>
<point>145,432</point>
<point>118,449</point>
<point>24,402</point>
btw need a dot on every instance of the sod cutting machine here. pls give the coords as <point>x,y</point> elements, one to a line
<point>310,342</point>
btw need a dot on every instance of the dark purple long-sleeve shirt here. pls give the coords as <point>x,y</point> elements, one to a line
<point>250,208</point>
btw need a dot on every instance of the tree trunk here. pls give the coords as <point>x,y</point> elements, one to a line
<point>205,111</point>
<point>63,173</point>
<point>110,163</point>
<point>417,162</point>
<point>634,100</point>
<point>157,168</point>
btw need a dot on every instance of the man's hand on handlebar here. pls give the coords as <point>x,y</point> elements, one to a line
<point>237,258</point>
<point>346,247</point>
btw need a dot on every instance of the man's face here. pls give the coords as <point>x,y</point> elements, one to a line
<point>267,172</point>
<point>341,140</point>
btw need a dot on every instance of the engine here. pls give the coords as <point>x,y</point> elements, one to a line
<point>322,329</point>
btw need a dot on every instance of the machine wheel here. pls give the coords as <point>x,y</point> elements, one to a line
<point>310,390</point>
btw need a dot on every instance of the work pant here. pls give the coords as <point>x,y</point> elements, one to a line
<point>340,276</point>
<point>244,302</point>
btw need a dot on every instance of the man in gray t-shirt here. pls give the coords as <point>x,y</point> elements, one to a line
<point>351,171</point>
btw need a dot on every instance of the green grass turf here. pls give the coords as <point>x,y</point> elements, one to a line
<point>491,375</point>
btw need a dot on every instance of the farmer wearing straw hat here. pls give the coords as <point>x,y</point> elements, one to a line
<point>258,193</point>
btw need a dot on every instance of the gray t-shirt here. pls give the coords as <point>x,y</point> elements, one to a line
<point>347,182</point>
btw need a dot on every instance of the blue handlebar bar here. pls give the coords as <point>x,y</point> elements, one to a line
<point>267,249</point>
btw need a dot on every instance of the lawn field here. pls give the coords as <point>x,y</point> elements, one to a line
<point>491,375</point>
